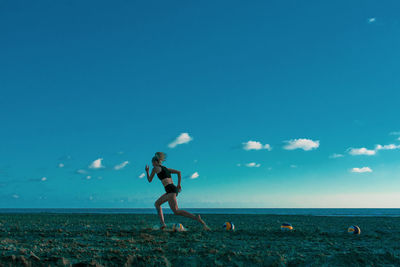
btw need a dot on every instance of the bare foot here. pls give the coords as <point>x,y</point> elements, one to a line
<point>163,227</point>
<point>203,223</point>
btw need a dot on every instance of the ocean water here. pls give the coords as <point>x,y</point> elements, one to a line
<point>276,211</point>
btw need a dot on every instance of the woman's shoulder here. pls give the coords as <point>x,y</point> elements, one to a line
<point>157,169</point>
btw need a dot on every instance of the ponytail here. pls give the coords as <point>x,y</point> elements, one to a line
<point>161,156</point>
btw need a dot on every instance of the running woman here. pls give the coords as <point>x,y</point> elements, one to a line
<point>164,174</point>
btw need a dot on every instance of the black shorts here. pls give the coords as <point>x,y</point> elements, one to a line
<point>171,188</point>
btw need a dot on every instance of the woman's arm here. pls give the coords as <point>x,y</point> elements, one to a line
<point>151,176</point>
<point>179,175</point>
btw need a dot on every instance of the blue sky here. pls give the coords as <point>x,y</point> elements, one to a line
<point>276,104</point>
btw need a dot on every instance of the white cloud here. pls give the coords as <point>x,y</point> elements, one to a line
<point>142,175</point>
<point>305,144</point>
<point>255,145</point>
<point>253,164</point>
<point>371,20</point>
<point>81,171</point>
<point>293,166</point>
<point>370,152</point>
<point>43,179</point>
<point>361,170</point>
<point>335,156</point>
<point>122,165</point>
<point>181,139</point>
<point>15,196</point>
<point>88,177</point>
<point>91,198</point>
<point>394,133</point>
<point>387,147</point>
<point>398,138</point>
<point>194,175</point>
<point>96,164</point>
<point>361,151</point>
<point>61,165</point>
<point>238,164</point>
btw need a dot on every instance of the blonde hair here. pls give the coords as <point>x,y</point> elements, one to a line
<point>159,157</point>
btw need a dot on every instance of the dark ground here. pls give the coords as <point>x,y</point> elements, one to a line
<point>129,240</point>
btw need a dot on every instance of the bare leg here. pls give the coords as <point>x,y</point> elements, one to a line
<point>158,204</point>
<point>174,207</point>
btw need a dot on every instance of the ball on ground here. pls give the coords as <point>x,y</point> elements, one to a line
<point>286,227</point>
<point>178,227</point>
<point>229,226</point>
<point>354,230</point>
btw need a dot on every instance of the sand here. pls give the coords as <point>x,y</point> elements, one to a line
<point>130,240</point>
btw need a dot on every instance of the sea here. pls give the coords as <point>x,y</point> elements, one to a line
<point>266,211</point>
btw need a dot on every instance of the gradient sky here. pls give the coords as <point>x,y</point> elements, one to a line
<point>314,84</point>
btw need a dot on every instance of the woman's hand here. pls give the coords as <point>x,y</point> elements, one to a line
<point>179,188</point>
<point>147,168</point>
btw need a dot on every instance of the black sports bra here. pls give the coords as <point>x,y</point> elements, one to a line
<point>164,173</point>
